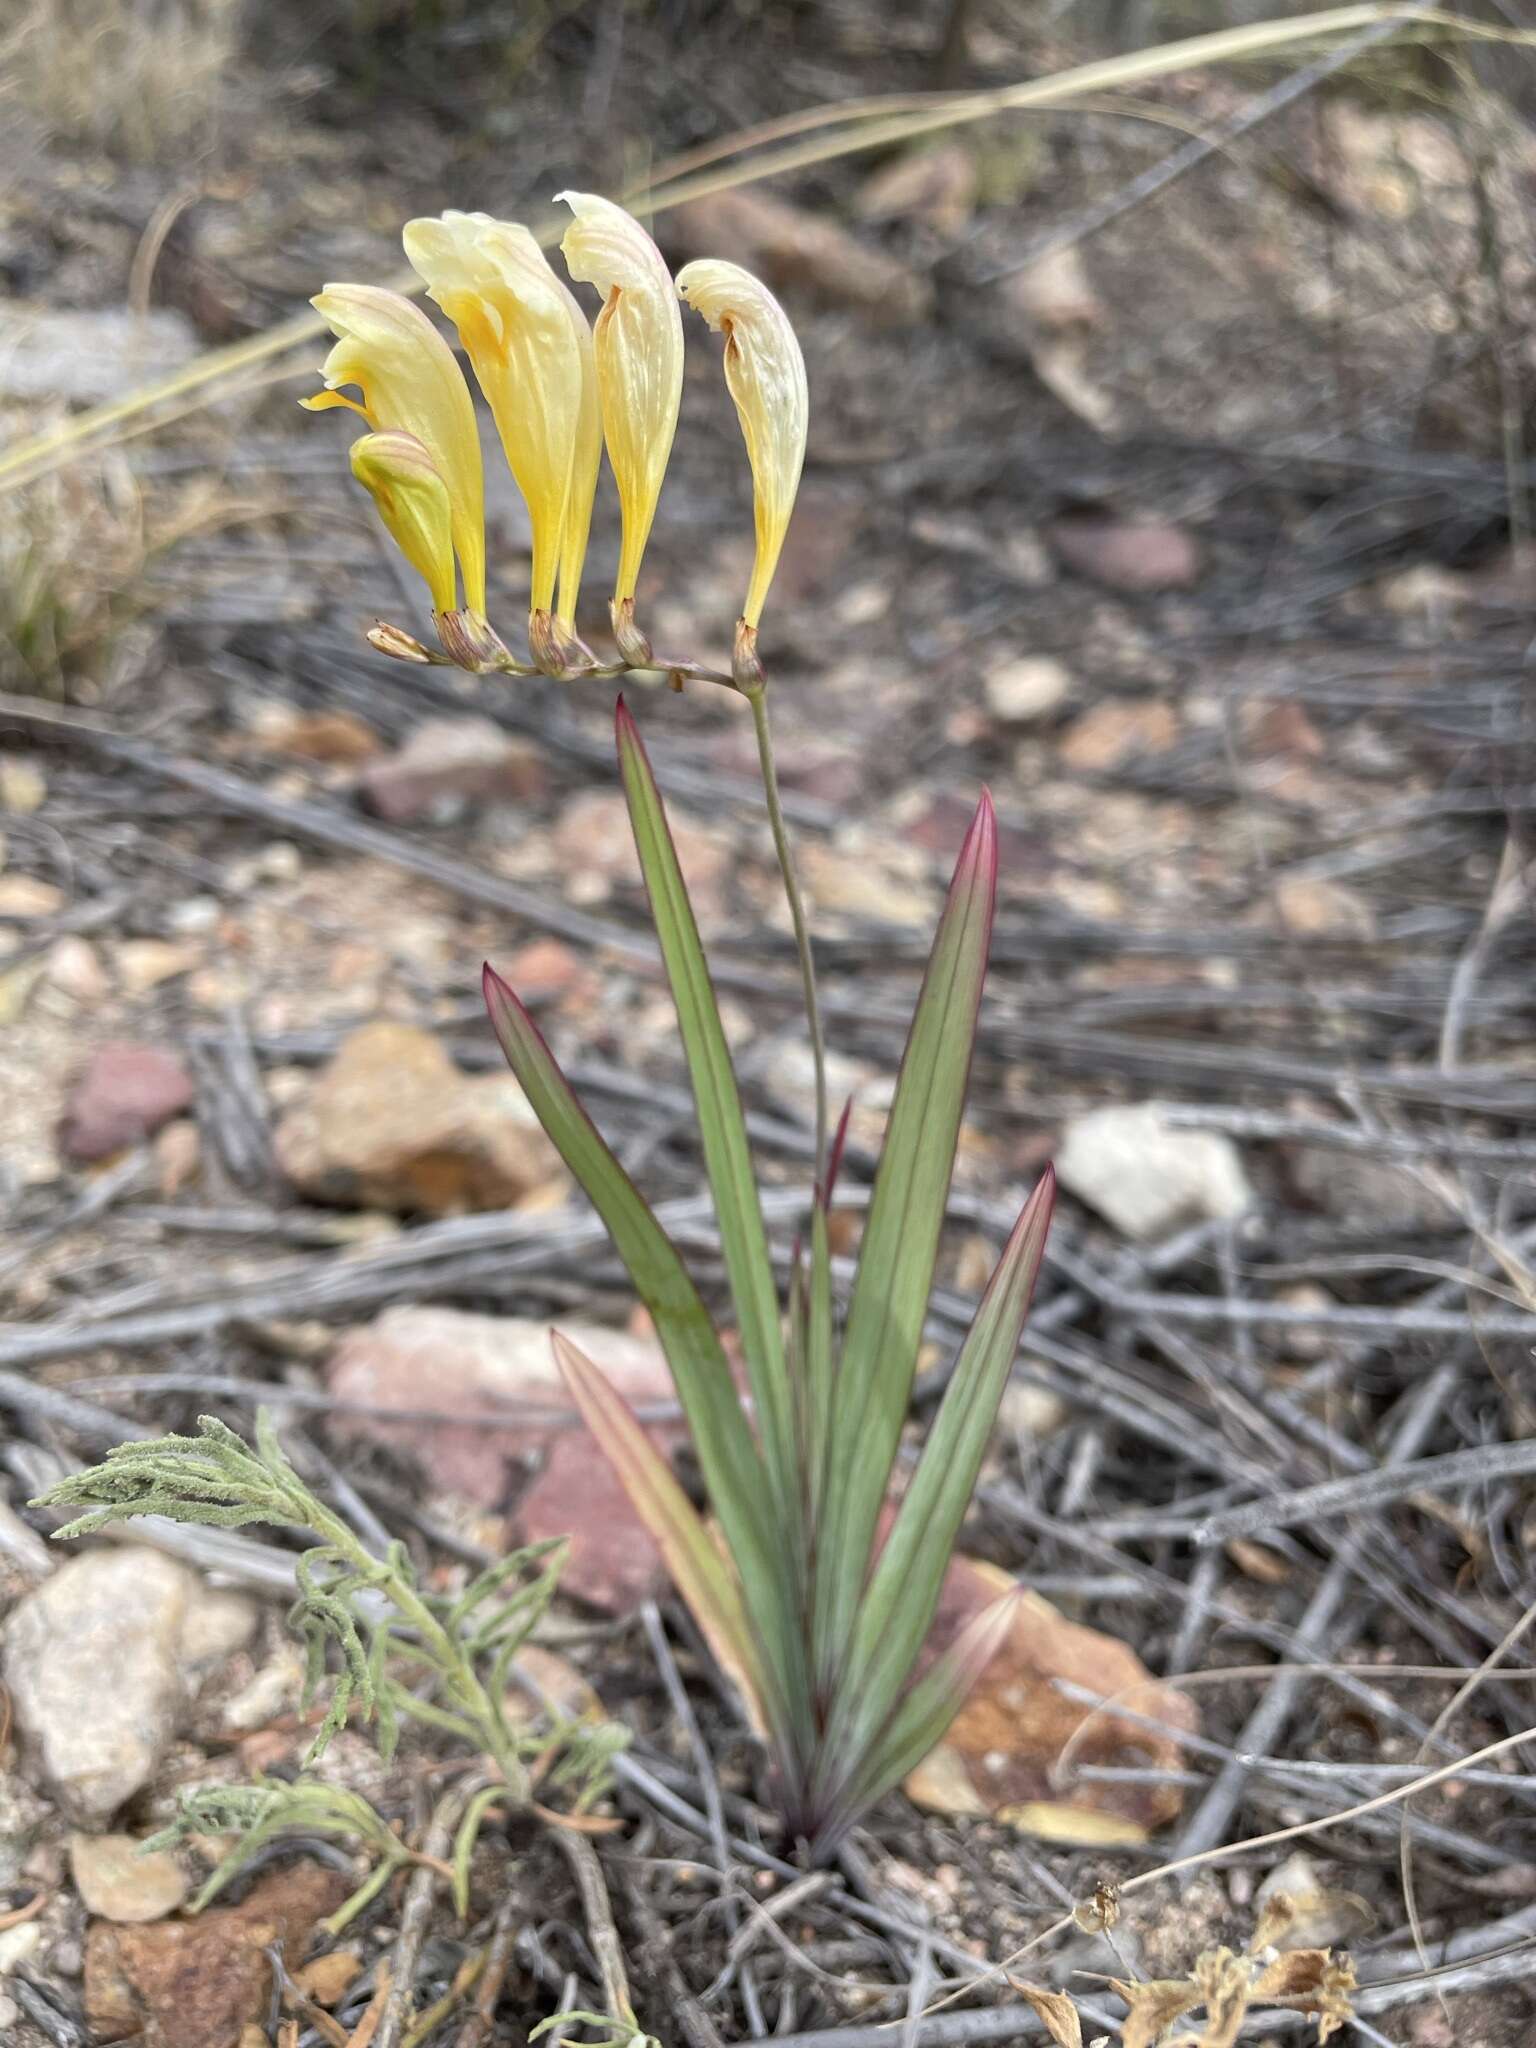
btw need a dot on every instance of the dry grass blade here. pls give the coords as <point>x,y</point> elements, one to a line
<point>868,126</point>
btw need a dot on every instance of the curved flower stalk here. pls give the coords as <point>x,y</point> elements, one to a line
<point>422,417</point>
<point>765,374</point>
<point>533,355</point>
<point>639,346</point>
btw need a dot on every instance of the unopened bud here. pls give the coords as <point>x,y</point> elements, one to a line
<point>384,638</point>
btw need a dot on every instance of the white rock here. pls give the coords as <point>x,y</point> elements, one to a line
<point>1027,687</point>
<point>90,356</point>
<point>98,1662</point>
<point>1032,1413</point>
<point>1146,1178</point>
<point>74,966</point>
<point>17,1944</point>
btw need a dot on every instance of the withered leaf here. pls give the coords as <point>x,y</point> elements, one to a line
<point>1055,2010</point>
<point>1310,1980</point>
<point>1223,1981</point>
<point>1154,2005</point>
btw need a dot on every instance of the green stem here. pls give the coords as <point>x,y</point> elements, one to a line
<point>442,1646</point>
<point>757,696</point>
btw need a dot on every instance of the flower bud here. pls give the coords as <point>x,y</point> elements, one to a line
<point>384,638</point>
<point>765,374</point>
<point>410,382</point>
<point>412,501</point>
<point>532,352</point>
<point>639,344</point>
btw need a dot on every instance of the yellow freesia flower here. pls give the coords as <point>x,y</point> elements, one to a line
<point>410,382</point>
<point>639,344</point>
<point>765,373</point>
<point>532,352</point>
<point>412,501</point>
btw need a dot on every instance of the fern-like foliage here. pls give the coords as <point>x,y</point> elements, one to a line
<point>379,1645</point>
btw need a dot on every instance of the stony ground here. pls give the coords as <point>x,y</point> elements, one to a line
<point>1200,540</point>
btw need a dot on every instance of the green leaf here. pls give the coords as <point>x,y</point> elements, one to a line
<point>732,1470</point>
<point>918,1722</point>
<point>820,1370</point>
<point>902,1596</point>
<point>722,1125</point>
<point>901,1239</point>
<point>697,1568</point>
<point>465,1837</point>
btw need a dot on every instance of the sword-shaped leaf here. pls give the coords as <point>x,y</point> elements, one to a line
<point>902,1596</point>
<point>697,1568</point>
<point>918,1723</point>
<point>722,1125</point>
<point>733,1471</point>
<point>901,1240</point>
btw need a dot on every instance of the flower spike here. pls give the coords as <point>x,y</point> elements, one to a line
<point>532,352</point>
<point>410,384</point>
<point>765,373</point>
<point>639,344</point>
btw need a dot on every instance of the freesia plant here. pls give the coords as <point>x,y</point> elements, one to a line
<point>818,1610</point>
<point>818,1595</point>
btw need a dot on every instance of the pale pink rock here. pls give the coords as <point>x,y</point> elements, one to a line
<point>123,1094</point>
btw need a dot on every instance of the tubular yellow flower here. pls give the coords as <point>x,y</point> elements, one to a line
<point>765,373</point>
<point>532,352</point>
<point>639,342</point>
<point>409,380</point>
<point>412,500</point>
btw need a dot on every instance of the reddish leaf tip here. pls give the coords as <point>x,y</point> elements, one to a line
<point>499,994</point>
<point>623,717</point>
<point>835,1156</point>
<point>978,853</point>
<point>1042,1196</point>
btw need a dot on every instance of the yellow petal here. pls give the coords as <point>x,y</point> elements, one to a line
<point>409,380</point>
<point>532,352</point>
<point>413,503</point>
<point>765,373</point>
<point>639,343</point>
